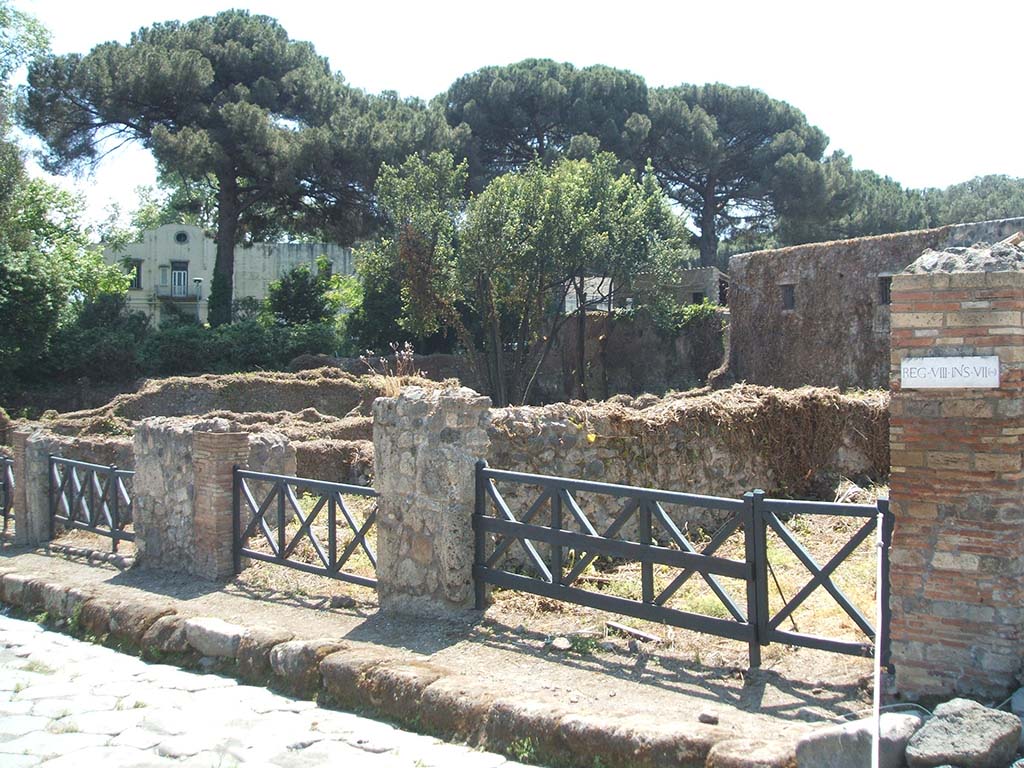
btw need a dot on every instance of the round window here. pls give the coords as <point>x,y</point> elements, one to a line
<point>181,238</point>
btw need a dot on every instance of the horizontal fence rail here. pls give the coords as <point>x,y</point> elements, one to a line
<point>91,497</point>
<point>557,557</point>
<point>264,506</point>
<point>6,489</point>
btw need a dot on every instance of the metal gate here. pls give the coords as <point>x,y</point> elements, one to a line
<point>556,521</point>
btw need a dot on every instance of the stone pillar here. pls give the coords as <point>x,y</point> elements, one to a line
<point>26,531</point>
<point>426,445</point>
<point>957,489</point>
<point>183,484</point>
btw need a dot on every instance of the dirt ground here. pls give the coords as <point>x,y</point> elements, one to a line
<point>510,645</point>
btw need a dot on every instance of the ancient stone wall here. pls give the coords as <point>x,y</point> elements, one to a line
<point>721,443</point>
<point>837,331</point>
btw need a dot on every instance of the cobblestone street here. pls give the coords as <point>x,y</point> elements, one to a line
<point>64,702</point>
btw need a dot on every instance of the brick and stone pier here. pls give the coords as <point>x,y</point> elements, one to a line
<point>957,487</point>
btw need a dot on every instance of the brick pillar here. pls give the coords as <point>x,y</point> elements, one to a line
<point>426,445</point>
<point>214,455</point>
<point>957,488</point>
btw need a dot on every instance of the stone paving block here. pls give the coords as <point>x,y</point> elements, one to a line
<point>19,725</point>
<point>62,707</point>
<point>45,744</point>
<point>112,756</point>
<point>107,723</point>
<point>137,737</point>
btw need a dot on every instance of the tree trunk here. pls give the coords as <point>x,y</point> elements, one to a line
<point>708,235</point>
<point>222,290</point>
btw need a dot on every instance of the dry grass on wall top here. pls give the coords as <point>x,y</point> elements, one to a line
<point>791,435</point>
<point>798,432</point>
<point>332,395</point>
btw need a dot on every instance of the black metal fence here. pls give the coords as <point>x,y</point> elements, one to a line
<point>6,489</point>
<point>559,572</point>
<point>91,497</point>
<point>323,512</point>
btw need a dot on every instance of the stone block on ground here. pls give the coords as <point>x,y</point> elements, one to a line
<point>130,620</point>
<point>296,665</point>
<point>751,753</point>
<point>214,637</point>
<point>94,618</point>
<point>848,745</point>
<point>343,675</point>
<point>964,733</point>
<point>457,706</point>
<point>397,688</point>
<point>254,653</point>
<point>166,635</point>
<point>14,585</point>
<point>636,741</point>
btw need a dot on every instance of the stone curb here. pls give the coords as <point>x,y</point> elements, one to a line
<point>401,686</point>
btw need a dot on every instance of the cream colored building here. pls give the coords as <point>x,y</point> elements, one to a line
<point>172,269</point>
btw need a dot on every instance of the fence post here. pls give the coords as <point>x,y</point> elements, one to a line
<point>756,546</point>
<point>479,539</point>
<point>882,632</point>
<point>51,501</point>
<point>646,566</point>
<point>114,517</point>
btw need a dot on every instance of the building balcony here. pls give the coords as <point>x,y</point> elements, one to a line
<point>177,293</point>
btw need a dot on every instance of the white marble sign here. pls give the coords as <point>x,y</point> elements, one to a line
<point>949,373</point>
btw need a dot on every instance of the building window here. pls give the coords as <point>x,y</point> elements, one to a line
<point>181,238</point>
<point>164,270</point>
<point>788,296</point>
<point>885,289</point>
<point>698,297</point>
<point>179,279</point>
<point>135,273</point>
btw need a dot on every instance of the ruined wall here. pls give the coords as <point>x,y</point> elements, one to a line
<point>837,333</point>
<point>723,443</point>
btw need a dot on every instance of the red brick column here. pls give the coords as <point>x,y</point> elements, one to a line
<point>214,455</point>
<point>958,489</point>
<point>22,527</point>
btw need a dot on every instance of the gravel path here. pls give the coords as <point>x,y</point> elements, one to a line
<point>64,702</point>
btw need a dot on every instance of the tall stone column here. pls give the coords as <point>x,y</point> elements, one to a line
<point>957,486</point>
<point>426,446</point>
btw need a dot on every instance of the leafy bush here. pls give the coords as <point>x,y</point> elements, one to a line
<point>102,343</point>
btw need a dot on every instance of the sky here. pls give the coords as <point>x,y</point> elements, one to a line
<point>925,92</point>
